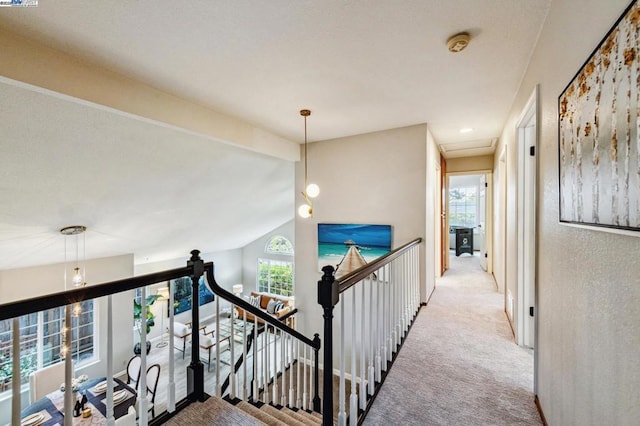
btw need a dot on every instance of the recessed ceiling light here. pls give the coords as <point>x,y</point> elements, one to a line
<point>466,130</point>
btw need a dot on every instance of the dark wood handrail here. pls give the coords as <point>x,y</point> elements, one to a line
<point>227,295</point>
<point>76,295</point>
<point>363,272</point>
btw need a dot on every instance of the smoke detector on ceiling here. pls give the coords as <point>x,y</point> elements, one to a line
<point>458,42</point>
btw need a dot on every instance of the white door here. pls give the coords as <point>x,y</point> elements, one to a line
<point>482,223</point>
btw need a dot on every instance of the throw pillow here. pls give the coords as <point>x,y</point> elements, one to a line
<point>254,300</point>
<point>279,306</point>
<point>271,306</point>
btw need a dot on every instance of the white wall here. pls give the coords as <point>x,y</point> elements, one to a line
<point>252,251</point>
<point>588,369</point>
<point>227,272</point>
<point>49,279</point>
<point>376,178</point>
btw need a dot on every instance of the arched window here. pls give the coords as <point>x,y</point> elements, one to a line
<point>279,245</point>
<point>275,276</point>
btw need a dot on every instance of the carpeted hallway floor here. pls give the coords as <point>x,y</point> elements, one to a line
<point>459,364</point>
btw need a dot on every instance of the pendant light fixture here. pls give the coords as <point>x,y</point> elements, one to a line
<point>78,277</point>
<point>311,190</point>
<point>78,280</point>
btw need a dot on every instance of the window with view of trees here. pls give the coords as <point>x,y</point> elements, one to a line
<point>463,206</point>
<point>41,341</point>
<point>276,276</point>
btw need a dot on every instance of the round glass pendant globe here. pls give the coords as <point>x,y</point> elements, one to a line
<point>304,211</point>
<point>313,190</point>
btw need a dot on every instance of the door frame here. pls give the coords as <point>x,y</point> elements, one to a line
<point>527,129</point>
<point>488,173</point>
<point>444,216</point>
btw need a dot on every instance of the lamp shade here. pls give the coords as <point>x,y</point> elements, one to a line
<point>237,289</point>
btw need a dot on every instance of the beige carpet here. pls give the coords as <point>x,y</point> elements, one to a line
<point>213,411</point>
<point>459,364</point>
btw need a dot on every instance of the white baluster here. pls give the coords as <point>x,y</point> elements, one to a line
<point>275,367</point>
<point>245,382</point>
<point>232,345</point>
<point>371,370</point>
<point>378,306</point>
<point>283,365</point>
<point>298,390</point>
<point>383,322</point>
<point>142,389</point>
<point>353,406</point>
<point>15,372</point>
<point>266,394</point>
<point>407,293</point>
<point>342,415</point>
<point>171,395</point>
<point>290,343</point>
<point>363,362</point>
<point>217,339</point>
<point>109,413</point>
<point>398,306</point>
<point>305,395</point>
<point>256,375</point>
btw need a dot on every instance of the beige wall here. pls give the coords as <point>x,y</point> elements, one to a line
<point>52,70</point>
<point>470,164</point>
<point>588,369</point>
<point>376,178</point>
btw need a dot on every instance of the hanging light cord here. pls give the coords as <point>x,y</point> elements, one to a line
<point>305,154</point>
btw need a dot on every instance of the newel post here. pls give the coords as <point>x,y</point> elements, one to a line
<point>195,370</point>
<point>328,297</point>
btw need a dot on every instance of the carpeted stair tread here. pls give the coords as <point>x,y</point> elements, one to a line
<point>314,414</point>
<point>262,416</point>
<point>299,415</point>
<point>214,411</point>
<point>278,414</point>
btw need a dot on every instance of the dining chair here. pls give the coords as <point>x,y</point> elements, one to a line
<point>133,370</point>
<point>153,374</point>
<point>128,419</point>
<point>45,381</point>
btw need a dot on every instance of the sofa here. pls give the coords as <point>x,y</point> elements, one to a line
<point>267,303</point>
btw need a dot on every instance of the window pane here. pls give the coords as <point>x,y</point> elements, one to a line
<point>279,245</point>
<point>275,277</point>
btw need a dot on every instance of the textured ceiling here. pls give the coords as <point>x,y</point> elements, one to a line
<point>360,66</point>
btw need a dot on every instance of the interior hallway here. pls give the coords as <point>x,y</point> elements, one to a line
<point>459,364</point>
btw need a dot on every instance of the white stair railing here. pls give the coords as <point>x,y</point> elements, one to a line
<point>383,298</point>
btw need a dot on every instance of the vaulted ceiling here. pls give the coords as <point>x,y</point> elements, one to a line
<point>360,66</point>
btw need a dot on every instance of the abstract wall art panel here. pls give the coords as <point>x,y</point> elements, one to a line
<point>599,139</point>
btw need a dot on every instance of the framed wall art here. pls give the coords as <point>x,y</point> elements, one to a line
<point>598,135</point>
<point>347,247</point>
<point>182,294</point>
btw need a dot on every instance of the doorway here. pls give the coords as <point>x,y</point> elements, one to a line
<point>469,204</point>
